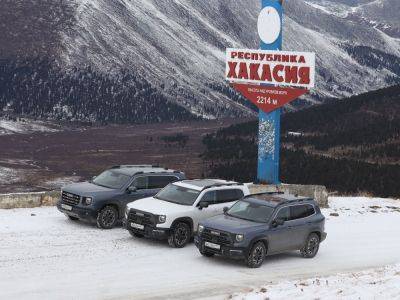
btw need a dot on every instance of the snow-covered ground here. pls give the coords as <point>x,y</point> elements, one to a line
<point>24,126</point>
<point>379,283</point>
<point>45,256</point>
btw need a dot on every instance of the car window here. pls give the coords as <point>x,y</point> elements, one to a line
<point>111,179</point>
<point>283,214</point>
<point>209,197</point>
<point>141,183</point>
<point>178,194</point>
<point>158,182</point>
<point>251,211</point>
<point>224,196</point>
<point>301,211</point>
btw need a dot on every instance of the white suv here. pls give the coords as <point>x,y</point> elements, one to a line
<point>176,210</point>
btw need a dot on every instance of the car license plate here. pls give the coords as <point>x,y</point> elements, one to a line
<point>137,226</point>
<point>66,207</point>
<point>212,245</point>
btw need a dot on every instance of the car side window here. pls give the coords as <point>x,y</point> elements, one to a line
<point>158,182</point>
<point>283,214</point>
<point>224,196</point>
<point>141,183</point>
<point>210,197</point>
<point>301,211</point>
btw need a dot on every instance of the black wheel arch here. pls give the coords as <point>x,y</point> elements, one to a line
<point>317,232</point>
<point>258,239</point>
<point>187,220</point>
<point>112,204</point>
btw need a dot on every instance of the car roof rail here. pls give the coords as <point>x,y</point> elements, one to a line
<point>136,166</point>
<point>299,200</point>
<point>220,185</point>
<point>266,193</point>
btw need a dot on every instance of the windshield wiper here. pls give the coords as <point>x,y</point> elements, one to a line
<point>101,185</point>
<point>243,218</point>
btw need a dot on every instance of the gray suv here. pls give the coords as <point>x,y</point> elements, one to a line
<point>103,200</point>
<point>263,224</point>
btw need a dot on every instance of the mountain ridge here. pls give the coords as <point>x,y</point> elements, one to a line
<point>178,46</point>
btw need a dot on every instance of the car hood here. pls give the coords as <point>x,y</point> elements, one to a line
<point>86,189</point>
<point>231,224</point>
<point>157,207</point>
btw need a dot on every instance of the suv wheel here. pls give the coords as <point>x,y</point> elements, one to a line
<point>180,235</point>
<point>137,235</point>
<point>107,217</point>
<point>73,218</point>
<point>311,246</point>
<point>257,255</point>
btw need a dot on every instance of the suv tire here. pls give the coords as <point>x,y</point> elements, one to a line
<point>180,235</point>
<point>73,218</point>
<point>311,246</point>
<point>107,217</point>
<point>136,235</point>
<point>256,255</point>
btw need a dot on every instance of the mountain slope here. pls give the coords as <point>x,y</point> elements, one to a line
<point>179,45</point>
<point>177,48</point>
<point>350,145</point>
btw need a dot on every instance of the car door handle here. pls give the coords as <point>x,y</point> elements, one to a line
<point>290,227</point>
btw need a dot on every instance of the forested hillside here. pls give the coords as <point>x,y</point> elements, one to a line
<point>350,145</point>
<point>39,89</point>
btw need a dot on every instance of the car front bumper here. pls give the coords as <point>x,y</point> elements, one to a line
<point>148,231</point>
<point>226,251</point>
<point>82,213</point>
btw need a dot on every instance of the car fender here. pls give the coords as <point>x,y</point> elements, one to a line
<point>184,219</point>
<point>99,204</point>
<point>261,237</point>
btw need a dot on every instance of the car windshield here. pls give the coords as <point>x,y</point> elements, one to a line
<point>178,194</point>
<point>251,211</point>
<point>112,180</point>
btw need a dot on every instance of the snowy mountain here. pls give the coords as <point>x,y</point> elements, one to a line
<point>179,45</point>
<point>177,48</point>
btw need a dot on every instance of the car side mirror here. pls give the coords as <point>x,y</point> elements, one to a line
<point>226,209</point>
<point>278,222</point>
<point>203,205</point>
<point>132,189</point>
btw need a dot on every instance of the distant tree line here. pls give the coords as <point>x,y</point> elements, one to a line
<point>236,158</point>
<point>179,140</point>
<point>38,88</point>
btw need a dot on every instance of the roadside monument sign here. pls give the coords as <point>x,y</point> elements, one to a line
<point>270,78</point>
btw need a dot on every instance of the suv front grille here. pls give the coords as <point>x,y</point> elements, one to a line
<point>216,236</point>
<point>141,218</point>
<point>70,198</point>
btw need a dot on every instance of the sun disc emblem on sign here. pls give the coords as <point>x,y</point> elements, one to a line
<point>269,25</point>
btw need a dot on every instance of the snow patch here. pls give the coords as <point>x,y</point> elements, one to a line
<point>23,127</point>
<point>379,283</point>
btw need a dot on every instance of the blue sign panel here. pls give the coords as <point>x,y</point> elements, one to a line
<point>270,32</point>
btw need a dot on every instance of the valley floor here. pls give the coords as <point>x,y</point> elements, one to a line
<point>33,159</point>
<point>45,256</point>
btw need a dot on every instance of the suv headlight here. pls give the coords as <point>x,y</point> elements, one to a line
<point>87,200</point>
<point>200,229</point>
<point>162,219</point>
<point>239,238</point>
